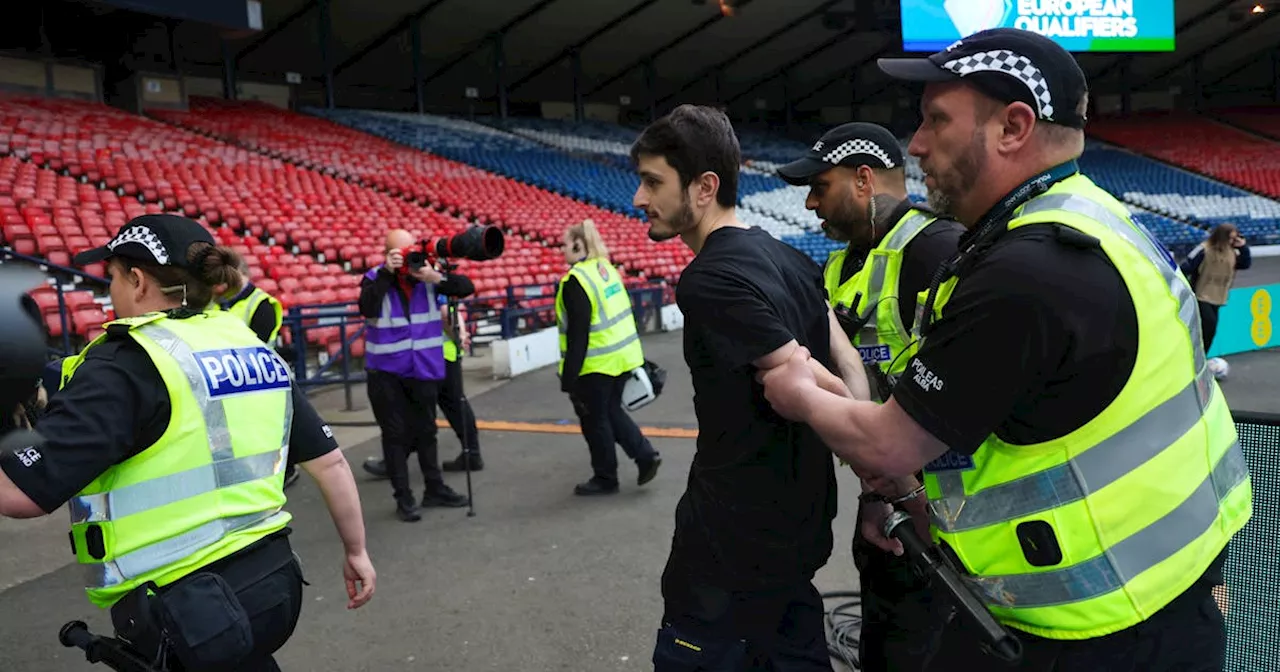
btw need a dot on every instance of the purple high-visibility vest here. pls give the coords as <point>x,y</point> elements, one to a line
<point>410,346</point>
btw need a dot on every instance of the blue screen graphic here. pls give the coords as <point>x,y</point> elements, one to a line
<point>1077,25</point>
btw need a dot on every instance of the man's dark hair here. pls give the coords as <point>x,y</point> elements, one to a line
<point>695,139</point>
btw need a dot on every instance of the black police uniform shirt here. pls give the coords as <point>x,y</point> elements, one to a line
<point>114,407</point>
<point>761,493</point>
<point>921,258</point>
<point>1038,338</point>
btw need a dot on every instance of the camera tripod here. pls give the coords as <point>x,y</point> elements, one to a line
<point>114,653</point>
<point>446,266</point>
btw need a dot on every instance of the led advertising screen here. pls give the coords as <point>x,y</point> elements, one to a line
<point>1078,25</point>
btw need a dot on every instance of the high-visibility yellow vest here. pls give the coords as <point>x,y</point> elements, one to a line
<point>214,482</point>
<point>614,344</point>
<point>450,350</point>
<point>1141,499</point>
<point>246,308</point>
<point>885,340</point>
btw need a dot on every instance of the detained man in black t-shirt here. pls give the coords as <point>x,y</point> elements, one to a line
<point>858,189</point>
<point>1038,338</point>
<point>754,524</point>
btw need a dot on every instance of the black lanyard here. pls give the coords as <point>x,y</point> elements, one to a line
<point>989,228</point>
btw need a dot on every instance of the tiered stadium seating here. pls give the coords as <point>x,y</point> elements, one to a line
<point>47,215</point>
<point>603,182</point>
<point>266,198</point>
<point>1172,192</point>
<point>1198,144</point>
<point>461,190</point>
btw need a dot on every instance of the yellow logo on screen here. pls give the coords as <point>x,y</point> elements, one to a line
<point>1260,307</point>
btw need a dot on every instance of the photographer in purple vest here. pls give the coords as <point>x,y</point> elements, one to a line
<point>404,359</point>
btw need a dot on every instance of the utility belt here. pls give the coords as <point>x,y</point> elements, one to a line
<point>199,619</point>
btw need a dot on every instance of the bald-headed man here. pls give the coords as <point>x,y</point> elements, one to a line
<point>404,358</point>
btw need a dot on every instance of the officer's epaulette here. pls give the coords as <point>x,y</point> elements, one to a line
<point>1075,238</point>
<point>123,325</point>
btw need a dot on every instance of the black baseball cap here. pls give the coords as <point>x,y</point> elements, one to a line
<point>851,145</point>
<point>155,239</point>
<point>1009,65</point>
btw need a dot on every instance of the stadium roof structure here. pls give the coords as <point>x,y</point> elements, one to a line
<point>809,52</point>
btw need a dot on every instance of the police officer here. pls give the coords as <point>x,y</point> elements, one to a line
<point>599,345</point>
<point>168,441</point>
<point>857,187</point>
<point>261,311</point>
<point>264,314</point>
<point>404,357</point>
<point>1081,464</point>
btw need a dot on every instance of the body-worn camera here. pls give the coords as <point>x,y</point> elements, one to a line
<point>478,243</point>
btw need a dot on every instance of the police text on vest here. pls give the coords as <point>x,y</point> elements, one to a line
<point>242,370</point>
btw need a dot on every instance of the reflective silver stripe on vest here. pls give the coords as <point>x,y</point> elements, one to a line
<point>225,470</point>
<point>402,345</point>
<point>171,550</point>
<point>602,321</point>
<point>1075,479</point>
<point>879,267</point>
<point>604,350</point>
<point>1119,564</point>
<point>385,321</point>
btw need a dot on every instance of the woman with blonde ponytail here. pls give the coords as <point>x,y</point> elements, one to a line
<point>599,346</point>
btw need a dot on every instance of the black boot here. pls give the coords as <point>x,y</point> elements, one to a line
<point>596,486</point>
<point>376,466</point>
<point>648,469</point>
<point>441,495</point>
<point>459,463</point>
<point>407,510</point>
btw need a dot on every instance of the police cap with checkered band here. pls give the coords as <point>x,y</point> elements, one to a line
<point>1009,65</point>
<point>156,239</point>
<point>851,145</point>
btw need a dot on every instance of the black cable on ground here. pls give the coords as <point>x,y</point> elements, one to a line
<point>844,626</point>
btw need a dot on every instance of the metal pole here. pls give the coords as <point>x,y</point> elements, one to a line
<point>228,72</point>
<point>500,69</point>
<point>415,32</point>
<point>326,57</point>
<point>1275,75</point>
<point>651,80</point>
<point>579,114</point>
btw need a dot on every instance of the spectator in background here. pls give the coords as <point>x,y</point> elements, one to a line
<point>1211,269</point>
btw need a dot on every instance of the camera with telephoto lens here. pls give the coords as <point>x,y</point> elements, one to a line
<point>478,243</point>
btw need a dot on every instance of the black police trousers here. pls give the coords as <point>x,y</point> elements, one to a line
<point>267,580</point>
<point>456,408</point>
<point>712,630</point>
<point>903,620</point>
